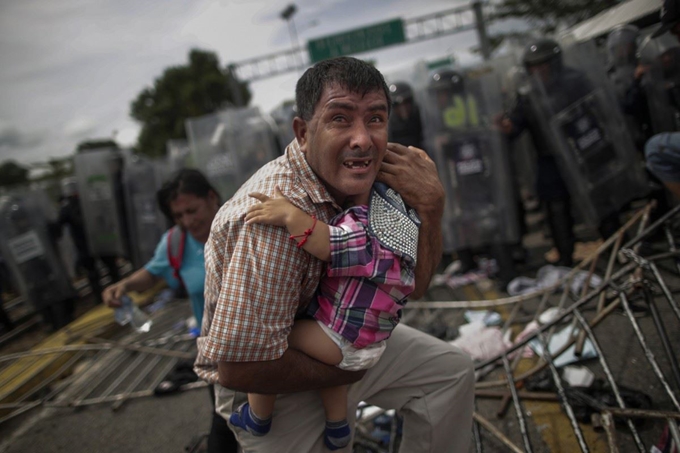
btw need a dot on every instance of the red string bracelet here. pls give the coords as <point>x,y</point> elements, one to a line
<point>305,234</point>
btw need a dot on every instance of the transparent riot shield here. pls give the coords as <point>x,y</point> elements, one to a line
<point>30,252</point>
<point>100,178</point>
<point>283,116</point>
<point>146,224</point>
<point>622,57</point>
<point>575,108</point>
<point>177,156</point>
<point>522,150</point>
<point>661,82</point>
<point>229,146</point>
<point>472,161</point>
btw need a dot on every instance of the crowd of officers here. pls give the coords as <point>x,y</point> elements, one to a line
<point>587,126</point>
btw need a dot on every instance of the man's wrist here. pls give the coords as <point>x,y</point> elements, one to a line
<point>431,208</point>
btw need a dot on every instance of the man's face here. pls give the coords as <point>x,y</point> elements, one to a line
<point>345,141</point>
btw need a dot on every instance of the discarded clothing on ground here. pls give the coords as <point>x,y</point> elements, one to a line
<point>548,276</point>
<point>452,277</point>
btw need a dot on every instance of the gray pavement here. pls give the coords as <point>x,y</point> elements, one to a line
<point>144,425</point>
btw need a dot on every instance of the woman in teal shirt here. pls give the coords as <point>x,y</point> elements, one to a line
<point>191,202</point>
<point>192,271</point>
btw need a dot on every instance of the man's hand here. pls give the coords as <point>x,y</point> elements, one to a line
<point>412,173</point>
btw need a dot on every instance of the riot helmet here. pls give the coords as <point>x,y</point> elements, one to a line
<point>543,51</point>
<point>662,52</point>
<point>622,45</point>
<point>445,84</point>
<point>447,79</point>
<point>400,92</point>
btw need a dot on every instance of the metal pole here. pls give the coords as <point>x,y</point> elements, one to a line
<point>610,377</point>
<point>661,329</point>
<point>481,30</point>
<point>518,405</point>
<point>234,87</point>
<point>294,40</point>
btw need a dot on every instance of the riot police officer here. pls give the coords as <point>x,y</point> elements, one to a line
<point>622,56</point>
<point>474,167</point>
<point>623,71</point>
<point>71,215</point>
<point>543,59</point>
<point>576,153</point>
<point>405,124</point>
<point>26,245</point>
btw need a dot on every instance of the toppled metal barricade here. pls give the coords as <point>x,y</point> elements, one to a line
<point>125,366</point>
<point>637,279</point>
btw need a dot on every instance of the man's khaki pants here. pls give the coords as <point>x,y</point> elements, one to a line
<point>429,382</point>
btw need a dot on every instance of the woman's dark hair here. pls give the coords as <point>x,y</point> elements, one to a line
<point>187,181</point>
<point>351,73</point>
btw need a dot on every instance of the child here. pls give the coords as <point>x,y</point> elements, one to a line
<point>371,250</point>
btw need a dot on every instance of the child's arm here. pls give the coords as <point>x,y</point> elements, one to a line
<point>278,211</point>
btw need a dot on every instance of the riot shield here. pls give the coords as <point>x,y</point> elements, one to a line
<point>230,145</point>
<point>661,82</point>
<point>177,154</point>
<point>146,224</point>
<point>576,111</point>
<point>522,151</point>
<point>472,161</point>
<point>100,178</point>
<point>30,252</point>
<point>622,57</point>
<point>283,117</point>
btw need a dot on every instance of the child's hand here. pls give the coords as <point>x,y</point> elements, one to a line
<point>275,211</point>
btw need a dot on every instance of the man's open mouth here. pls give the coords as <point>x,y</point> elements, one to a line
<point>357,163</point>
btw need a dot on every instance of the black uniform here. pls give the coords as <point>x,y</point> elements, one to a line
<point>563,86</point>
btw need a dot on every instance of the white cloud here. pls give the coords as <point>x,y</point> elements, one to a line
<point>79,127</point>
<point>127,136</point>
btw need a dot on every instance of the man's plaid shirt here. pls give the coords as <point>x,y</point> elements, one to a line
<point>256,278</point>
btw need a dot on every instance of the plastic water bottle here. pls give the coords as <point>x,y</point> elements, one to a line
<point>129,313</point>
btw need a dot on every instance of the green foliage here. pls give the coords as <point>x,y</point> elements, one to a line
<point>547,15</point>
<point>12,174</point>
<point>58,169</point>
<point>182,92</point>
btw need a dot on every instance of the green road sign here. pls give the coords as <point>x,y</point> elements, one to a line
<point>446,61</point>
<point>356,41</point>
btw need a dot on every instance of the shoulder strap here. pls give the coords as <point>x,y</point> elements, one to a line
<point>176,240</point>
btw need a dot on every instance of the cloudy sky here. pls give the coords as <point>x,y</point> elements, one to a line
<point>71,67</point>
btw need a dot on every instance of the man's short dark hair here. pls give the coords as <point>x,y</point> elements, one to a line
<point>355,75</point>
